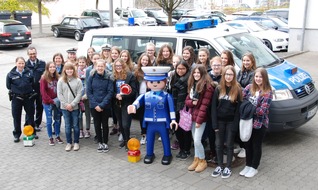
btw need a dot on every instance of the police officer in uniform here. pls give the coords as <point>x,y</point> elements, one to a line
<point>37,67</point>
<point>20,83</point>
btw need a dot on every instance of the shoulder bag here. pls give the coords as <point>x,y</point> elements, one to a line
<point>81,103</point>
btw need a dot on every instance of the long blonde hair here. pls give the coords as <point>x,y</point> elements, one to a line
<point>120,75</point>
<point>235,93</point>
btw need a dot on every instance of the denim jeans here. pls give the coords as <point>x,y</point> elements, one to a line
<point>52,111</point>
<point>71,121</point>
<point>225,134</point>
<point>197,136</point>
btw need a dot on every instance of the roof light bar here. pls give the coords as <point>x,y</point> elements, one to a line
<point>195,25</point>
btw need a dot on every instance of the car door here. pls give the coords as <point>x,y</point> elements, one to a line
<point>63,26</point>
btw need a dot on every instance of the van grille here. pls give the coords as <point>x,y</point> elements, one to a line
<point>301,92</point>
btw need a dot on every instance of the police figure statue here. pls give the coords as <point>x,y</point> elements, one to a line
<point>20,83</point>
<point>159,112</point>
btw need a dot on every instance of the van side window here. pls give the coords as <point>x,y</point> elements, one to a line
<point>197,44</point>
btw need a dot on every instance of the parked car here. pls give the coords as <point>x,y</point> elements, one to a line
<point>160,16</point>
<point>14,33</point>
<point>273,39</point>
<point>103,16</point>
<point>186,18</point>
<point>284,12</point>
<point>75,26</point>
<point>247,13</point>
<point>269,21</point>
<point>177,13</point>
<point>140,17</point>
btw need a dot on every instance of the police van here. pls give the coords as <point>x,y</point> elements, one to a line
<point>295,97</point>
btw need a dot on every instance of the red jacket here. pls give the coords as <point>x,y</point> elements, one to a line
<point>48,90</point>
<point>200,111</point>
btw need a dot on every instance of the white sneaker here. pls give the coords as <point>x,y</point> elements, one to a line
<point>76,147</point>
<point>251,172</point>
<point>245,170</point>
<point>159,139</point>
<point>120,137</point>
<point>68,147</point>
<point>143,140</point>
<point>242,153</point>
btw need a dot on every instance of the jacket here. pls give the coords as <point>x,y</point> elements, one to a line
<point>18,84</point>
<point>264,101</point>
<point>37,69</point>
<point>48,90</point>
<point>127,99</point>
<point>100,90</point>
<point>65,95</point>
<point>199,111</point>
<point>247,110</point>
<point>245,78</point>
<point>223,109</point>
<point>179,90</point>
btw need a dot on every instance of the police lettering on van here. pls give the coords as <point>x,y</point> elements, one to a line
<point>295,97</point>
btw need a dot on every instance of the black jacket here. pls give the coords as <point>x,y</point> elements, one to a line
<point>127,99</point>
<point>247,110</point>
<point>18,84</point>
<point>245,78</point>
<point>179,90</point>
<point>37,69</point>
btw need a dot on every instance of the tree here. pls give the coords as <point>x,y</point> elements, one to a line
<point>168,6</point>
<point>32,5</point>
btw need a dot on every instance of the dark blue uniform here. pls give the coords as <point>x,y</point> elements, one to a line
<point>159,111</point>
<point>38,69</point>
<point>21,87</point>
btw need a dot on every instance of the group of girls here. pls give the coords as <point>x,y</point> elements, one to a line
<point>209,88</point>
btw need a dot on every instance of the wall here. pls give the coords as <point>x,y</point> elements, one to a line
<point>297,16</point>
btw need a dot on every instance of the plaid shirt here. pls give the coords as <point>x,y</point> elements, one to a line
<point>262,108</point>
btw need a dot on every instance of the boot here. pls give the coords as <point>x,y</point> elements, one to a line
<point>201,166</point>
<point>194,164</point>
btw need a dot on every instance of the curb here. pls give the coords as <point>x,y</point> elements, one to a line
<point>293,54</point>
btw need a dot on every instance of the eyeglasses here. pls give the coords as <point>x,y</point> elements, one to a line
<point>229,74</point>
<point>150,50</point>
<point>32,53</point>
<point>219,65</point>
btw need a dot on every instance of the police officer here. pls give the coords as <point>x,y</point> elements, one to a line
<point>20,83</point>
<point>37,67</point>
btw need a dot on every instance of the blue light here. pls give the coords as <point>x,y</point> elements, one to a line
<point>196,24</point>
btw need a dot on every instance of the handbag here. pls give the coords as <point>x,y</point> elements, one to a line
<point>246,127</point>
<point>185,119</point>
<point>81,104</point>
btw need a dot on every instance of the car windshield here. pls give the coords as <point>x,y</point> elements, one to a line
<point>15,28</point>
<point>90,22</point>
<point>241,43</point>
<point>105,16</point>
<point>279,22</point>
<point>159,14</point>
<point>255,27</point>
<point>138,13</point>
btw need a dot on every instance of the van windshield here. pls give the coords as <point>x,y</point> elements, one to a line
<point>241,43</point>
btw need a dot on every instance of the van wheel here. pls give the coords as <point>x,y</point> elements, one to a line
<point>77,36</point>
<point>268,44</point>
<point>56,32</point>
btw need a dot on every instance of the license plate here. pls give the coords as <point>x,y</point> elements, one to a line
<point>19,38</point>
<point>312,112</point>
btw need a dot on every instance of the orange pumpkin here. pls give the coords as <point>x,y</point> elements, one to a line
<point>133,144</point>
<point>28,130</point>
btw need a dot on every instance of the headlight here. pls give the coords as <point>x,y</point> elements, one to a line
<point>279,95</point>
<point>279,40</point>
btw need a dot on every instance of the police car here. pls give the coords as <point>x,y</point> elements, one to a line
<point>295,96</point>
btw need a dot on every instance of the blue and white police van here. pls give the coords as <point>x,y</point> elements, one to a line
<point>295,96</point>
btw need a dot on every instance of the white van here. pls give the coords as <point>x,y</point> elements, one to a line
<point>295,96</point>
